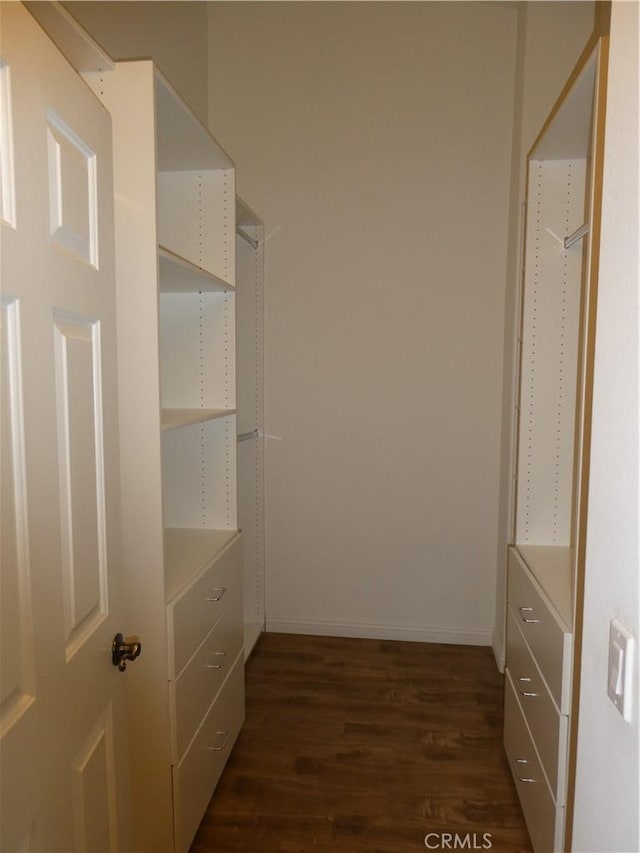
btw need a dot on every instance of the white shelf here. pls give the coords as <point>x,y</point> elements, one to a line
<point>551,567</point>
<point>189,551</point>
<point>183,141</point>
<point>74,42</point>
<point>245,216</point>
<point>567,136</point>
<point>176,418</point>
<point>178,275</point>
<point>174,217</point>
<point>195,218</point>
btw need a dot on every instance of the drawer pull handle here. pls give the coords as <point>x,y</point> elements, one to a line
<point>225,738</point>
<point>216,665</point>
<point>522,678</point>
<point>217,594</point>
<point>524,610</point>
<point>523,778</point>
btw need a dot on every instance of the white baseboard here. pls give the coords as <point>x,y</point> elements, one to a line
<point>454,636</point>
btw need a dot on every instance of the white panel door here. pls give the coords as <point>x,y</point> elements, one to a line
<point>64,776</point>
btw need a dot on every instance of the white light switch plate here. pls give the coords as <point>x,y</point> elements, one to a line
<point>619,681</point>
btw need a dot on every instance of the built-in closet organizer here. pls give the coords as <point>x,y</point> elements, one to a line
<point>546,557</point>
<point>250,382</point>
<point>175,271</point>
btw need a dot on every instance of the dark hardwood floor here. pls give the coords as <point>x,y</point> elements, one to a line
<point>366,745</point>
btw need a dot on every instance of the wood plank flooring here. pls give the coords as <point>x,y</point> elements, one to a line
<point>365,745</point>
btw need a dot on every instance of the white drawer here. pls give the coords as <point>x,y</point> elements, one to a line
<point>203,676</point>
<point>544,821</point>
<point>548,727</point>
<point>192,614</point>
<point>196,776</point>
<point>547,635</point>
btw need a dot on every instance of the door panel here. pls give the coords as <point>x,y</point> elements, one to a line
<point>64,776</point>
<point>7,173</point>
<point>72,191</point>
<point>94,789</point>
<point>17,666</point>
<point>82,493</point>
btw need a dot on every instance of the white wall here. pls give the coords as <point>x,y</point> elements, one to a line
<point>174,34</point>
<point>552,35</point>
<point>375,138</point>
<point>607,796</point>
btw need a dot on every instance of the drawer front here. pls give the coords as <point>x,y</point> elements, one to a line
<point>203,676</point>
<point>196,776</point>
<point>547,726</point>
<point>544,821</point>
<point>546,634</point>
<point>193,613</point>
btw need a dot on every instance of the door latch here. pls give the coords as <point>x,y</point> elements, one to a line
<point>124,649</point>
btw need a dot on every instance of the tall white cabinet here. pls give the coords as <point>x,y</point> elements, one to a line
<point>546,557</point>
<point>175,248</point>
<point>250,374</point>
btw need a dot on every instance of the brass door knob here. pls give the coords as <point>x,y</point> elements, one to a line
<point>124,649</point>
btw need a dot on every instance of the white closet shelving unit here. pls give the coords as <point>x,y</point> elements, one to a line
<point>175,248</point>
<point>250,374</point>
<point>546,557</point>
